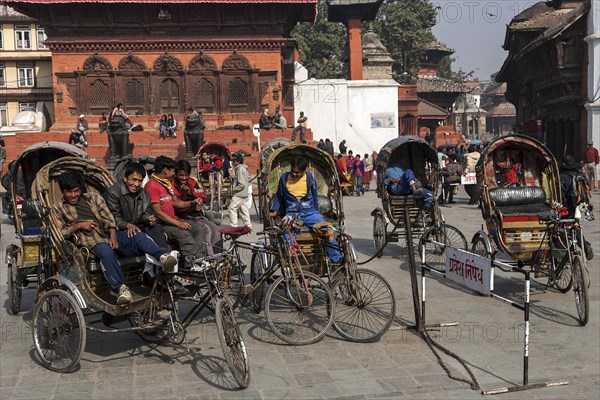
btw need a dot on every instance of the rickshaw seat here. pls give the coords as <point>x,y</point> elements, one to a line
<point>524,200</point>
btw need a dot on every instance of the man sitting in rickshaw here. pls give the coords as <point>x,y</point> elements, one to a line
<point>297,193</point>
<point>209,163</point>
<point>402,182</point>
<point>88,216</point>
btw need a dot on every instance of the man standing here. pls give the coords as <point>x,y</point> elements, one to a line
<point>297,194</point>
<point>82,128</point>
<point>590,164</point>
<point>470,161</point>
<point>300,127</point>
<point>343,147</point>
<point>188,234</point>
<point>239,201</point>
<point>328,147</point>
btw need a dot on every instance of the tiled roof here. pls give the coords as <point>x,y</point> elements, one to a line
<point>158,1</point>
<point>504,109</point>
<point>494,89</point>
<point>537,8</point>
<point>435,45</point>
<point>427,109</point>
<point>431,83</point>
<point>540,21</point>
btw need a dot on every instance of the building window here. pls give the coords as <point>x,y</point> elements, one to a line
<point>25,73</point>
<point>3,114</point>
<point>41,37</point>
<point>238,92</point>
<point>23,37</point>
<point>26,107</point>
<point>2,75</point>
<point>1,37</point>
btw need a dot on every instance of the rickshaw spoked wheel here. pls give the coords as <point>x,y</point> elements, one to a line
<point>216,208</point>
<point>479,247</point>
<point>59,330</point>
<point>15,290</point>
<point>257,268</point>
<point>445,234</point>
<point>232,344</point>
<point>581,282</point>
<point>379,233</point>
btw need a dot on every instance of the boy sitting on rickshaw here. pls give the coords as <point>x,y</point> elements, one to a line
<point>88,216</point>
<point>209,163</point>
<point>402,182</point>
<point>297,194</point>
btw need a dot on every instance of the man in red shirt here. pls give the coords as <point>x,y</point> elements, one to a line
<point>188,234</point>
<point>187,189</point>
<point>590,164</point>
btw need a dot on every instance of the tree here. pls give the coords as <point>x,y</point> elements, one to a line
<point>445,67</point>
<point>404,27</point>
<point>322,46</point>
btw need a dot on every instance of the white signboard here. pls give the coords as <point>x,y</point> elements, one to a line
<point>256,130</point>
<point>468,179</point>
<point>470,270</point>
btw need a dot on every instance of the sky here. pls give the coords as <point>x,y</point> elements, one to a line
<point>476,31</point>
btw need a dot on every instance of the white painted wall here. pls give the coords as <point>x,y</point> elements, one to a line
<point>338,109</point>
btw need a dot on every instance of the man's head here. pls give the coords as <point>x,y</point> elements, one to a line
<point>302,113</point>
<point>183,169</point>
<point>366,156</point>
<point>164,167</point>
<point>205,155</point>
<point>81,116</point>
<point>358,156</point>
<point>133,176</point>
<point>266,111</point>
<point>327,140</point>
<point>71,185</point>
<point>590,143</point>
<point>237,158</point>
<point>298,167</point>
<point>350,153</point>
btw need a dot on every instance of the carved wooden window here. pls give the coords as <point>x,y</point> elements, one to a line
<point>98,96</point>
<point>97,63</point>
<point>204,99</point>
<point>238,92</point>
<point>134,93</point>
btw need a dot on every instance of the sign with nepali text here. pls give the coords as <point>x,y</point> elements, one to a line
<point>468,179</point>
<point>470,270</point>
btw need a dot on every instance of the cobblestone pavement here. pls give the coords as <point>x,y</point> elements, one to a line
<point>488,337</point>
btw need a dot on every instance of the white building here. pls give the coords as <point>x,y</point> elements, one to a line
<point>593,104</point>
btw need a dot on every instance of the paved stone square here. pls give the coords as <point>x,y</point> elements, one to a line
<point>488,336</point>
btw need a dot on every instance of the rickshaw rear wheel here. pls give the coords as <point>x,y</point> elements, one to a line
<point>564,281</point>
<point>364,306</point>
<point>443,233</point>
<point>296,314</point>
<point>478,247</point>
<point>379,233</point>
<point>232,344</point>
<point>580,289</point>
<point>15,291</point>
<point>257,268</point>
<point>59,330</point>
<point>216,208</point>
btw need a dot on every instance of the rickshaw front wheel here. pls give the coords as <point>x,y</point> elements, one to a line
<point>15,290</point>
<point>581,283</point>
<point>379,233</point>
<point>232,344</point>
<point>59,331</point>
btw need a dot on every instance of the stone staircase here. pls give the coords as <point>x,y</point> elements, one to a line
<point>149,143</point>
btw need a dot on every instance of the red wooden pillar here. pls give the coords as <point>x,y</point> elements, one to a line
<point>355,49</point>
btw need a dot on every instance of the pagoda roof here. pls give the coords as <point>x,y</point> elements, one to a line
<point>341,10</point>
<point>158,1</point>
<point>503,109</point>
<point>432,83</point>
<point>429,110</point>
<point>439,46</point>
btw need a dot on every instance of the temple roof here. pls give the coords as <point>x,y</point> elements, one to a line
<point>504,109</point>
<point>431,83</point>
<point>429,110</point>
<point>159,1</point>
<point>539,21</point>
<point>439,46</point>
<point>341,10</point>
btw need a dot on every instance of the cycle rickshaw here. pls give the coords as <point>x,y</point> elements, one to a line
<point>412,152</point>
<point>26,260</point>
<point>364,301</point>
<point>520,197</point>
<point>265,153</point>
<point>216,181</point>
<point>74,283</point>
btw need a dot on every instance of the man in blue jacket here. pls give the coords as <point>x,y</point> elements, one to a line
<point>297,192</point>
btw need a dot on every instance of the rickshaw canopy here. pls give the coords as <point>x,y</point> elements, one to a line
<point>36,156</point>
<point>217,148</point>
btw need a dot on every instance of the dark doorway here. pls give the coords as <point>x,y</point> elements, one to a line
<point>169,96</point>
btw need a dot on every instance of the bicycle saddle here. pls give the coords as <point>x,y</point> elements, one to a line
<point>235,231</point>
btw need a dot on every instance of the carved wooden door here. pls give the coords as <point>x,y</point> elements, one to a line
<point>169,96</point>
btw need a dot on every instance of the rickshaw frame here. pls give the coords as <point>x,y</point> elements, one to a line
<point>218,193</point>
<point>24,261</point>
